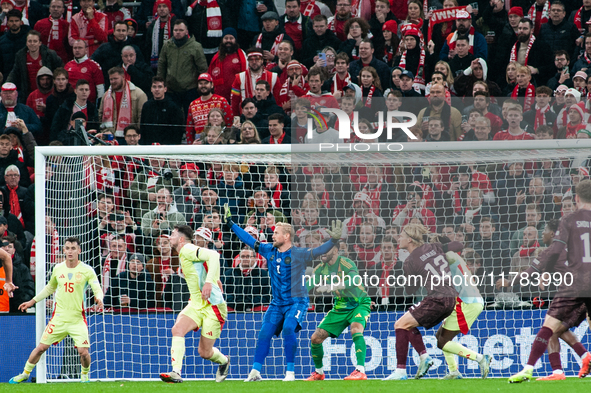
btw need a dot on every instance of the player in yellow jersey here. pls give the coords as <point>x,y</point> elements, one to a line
<point>206,309</point>
<point>70,279</point>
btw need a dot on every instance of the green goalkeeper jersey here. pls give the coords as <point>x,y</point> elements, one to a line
<point>71,287</point>
<point>352,295</point>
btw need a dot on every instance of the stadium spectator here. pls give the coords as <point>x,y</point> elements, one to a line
<point>438,108</point>
<point>231,191</point>
<point>188,195</point>
<point>164,217</point>
<point>277,131</point>
<point>559,33</point>
<point>132,288</point>
<point>11,110</point>
<point>136,70</point>
<point>362,211</point>
<point>162,121</point>
<point>143,188</point>
<point>61,90</point>
<point>37,100</point>
<point>115,12</point>
<point>320,38</point>
<point>270,37</point>
<point>21,277</point>
<point>89,25</point>
<point>54,30</point>
<point>12,40</point>
<point>246,285</point>
<point>81,67</point>
<point>121,105</point>
<point>403,213</point>
<point>494,250</point>
<point>337,23</point>
<point>8,157</point>
<point>522,259</point>
<point>229,61</point>
<point>114,263</point>
<point>163,266</point>
<point>295,24</point>
<point>132,135</point>
<point>159,31</point>
<point>15,198</point>
<point>262,208</point>
<point>367,58</point>
<point>181,61</point>
<point>28,61</point>
<point>478,46</point>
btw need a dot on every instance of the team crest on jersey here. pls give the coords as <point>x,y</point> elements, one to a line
<point>216,71</point>
<point>272,257</point>
<point>83,70</point>
<point>79,278</point>
<point>288,260</point>
<point>70,275</point>
<point>236,61</point>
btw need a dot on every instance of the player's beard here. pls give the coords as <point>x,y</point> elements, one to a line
<point>277,244</point>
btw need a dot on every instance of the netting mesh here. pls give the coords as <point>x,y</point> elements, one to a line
<point>123,208</point>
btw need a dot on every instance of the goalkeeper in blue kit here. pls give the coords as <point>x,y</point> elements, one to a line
<point>286,265</point>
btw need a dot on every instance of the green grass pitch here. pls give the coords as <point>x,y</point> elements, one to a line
<point>370,386</point>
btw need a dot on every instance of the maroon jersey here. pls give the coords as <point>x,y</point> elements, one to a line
<point>574,235</point>
<point>428,261</point>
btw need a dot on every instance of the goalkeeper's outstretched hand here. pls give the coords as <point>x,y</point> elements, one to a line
<point>336,230</point>
<point>227,217</point>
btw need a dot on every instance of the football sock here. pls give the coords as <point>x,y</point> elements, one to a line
<point>555,361</point>
<point>460,350</point>
<point>401,348</point>
<point>29,368</point>
<point>177,352</point>
<point>579,349</point>
<point>416,340</point>
<point>450,359</point>
<point>85,370</point>
<point>360,348</point>
<point>317,355</point>
<point>218,357</point>
<point>539,346</point>
<point>290,342</point>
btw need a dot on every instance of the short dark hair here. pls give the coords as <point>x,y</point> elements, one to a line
<point>82,82</point>
<point>367,41</point>
<point>117,70</point>
<point>248,100</point>
<point>120,22</point>
<point>9,238</point>
<point>342,56</point>
<point>463,38</point>
<point>562,52</point>
<point>73,239</point>
<point>14,13</point>
<point>186,231</point>
<point>264,83</point>
<point>544,90</point>
<point>298,1</point>
<point>319,18</point>
<point>34,32</point>
<point>317,71</point>
<point>131,127</point>
<point>157,78</point>
<point>583,190</point>
<point>553,224</point>
<point>528,21</point>
<point>485,94</point>
<point>181,22</point>
<point>277,116</point>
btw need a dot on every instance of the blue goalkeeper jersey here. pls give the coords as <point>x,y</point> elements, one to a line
<point>286,269</point>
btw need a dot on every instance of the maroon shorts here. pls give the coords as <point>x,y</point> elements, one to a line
<point>432,310</point>
<point>571,311</point>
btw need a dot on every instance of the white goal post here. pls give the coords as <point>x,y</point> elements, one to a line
<point>142,340</point>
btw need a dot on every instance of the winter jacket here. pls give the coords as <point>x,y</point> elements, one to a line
<point>480,48</point>
<point>140,74</point>
<point>162,121</point>
<point>138,99</point>
<point>561,36</point>
<point>315,43</point>
<point>108,55</point>
<point>20,74</point>
<point>21,277</point>
<point>27,208</point>
<point>382,69</point>
<point>140,291</point>
<point>181,66</point>
<point>61,121</point>
<point>26,114</point>
<point>9,45</point>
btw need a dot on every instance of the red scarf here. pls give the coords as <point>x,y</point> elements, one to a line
<point>525,251</point>
<point>578,21</point>
<point>571,130</point>
<point>310,8</point>
<point>532,13</point>
<point>124,110</point>
<point>513,57</point>
<point>248,85</point>
<point>387,270</point>
<point>402,64</point>
<point>54,33</point>
<point>106,273</point>
<point>388,54</point>
<point>154,55</point>
<point>353,223</point>
<point>365,255</point>
<point>276,199</point>
<point>273,50</point>
<point>335,82</point>
<point>540,116</point>
<point>372,89</point>
<point>325,200</point>
<point>530,94</point>
<point>374,195</point>
<point>213,15</point>
<point>15,206</point>
<point>274,141</point>
<point>452,42</point>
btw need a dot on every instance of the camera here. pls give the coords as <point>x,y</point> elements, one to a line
<point>167,174</point>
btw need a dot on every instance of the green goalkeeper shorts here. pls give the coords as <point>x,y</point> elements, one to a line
<point>338,320</point>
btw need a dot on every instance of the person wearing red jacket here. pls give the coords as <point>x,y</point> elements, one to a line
<point>89,25</point>
<point>228,62</point>
<point>403,214</point>
<point>295,86</point>
<point>54,30</point>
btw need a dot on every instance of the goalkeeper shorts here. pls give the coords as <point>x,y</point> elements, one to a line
<point>210,319</point>
<point>463,316</point>
<point>338,320</point>
<point>57,329</point>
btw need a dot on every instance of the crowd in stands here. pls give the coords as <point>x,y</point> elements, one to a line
<point>237,72</point>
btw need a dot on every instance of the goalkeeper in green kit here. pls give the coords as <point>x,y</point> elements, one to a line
<point>351,308</point>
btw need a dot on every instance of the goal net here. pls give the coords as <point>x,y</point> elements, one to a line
<point>122,203</point>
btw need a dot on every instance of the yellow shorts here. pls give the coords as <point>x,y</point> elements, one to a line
<point>57,329</point>
<point>469,313</point>
<point>210,319</point>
